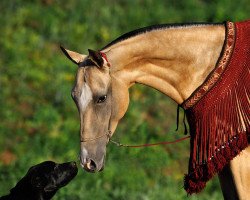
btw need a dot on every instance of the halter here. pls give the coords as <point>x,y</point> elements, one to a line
<point>118,144</point>
<point>108,135</point>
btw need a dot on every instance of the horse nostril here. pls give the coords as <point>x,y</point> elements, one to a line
<point>90,166</point>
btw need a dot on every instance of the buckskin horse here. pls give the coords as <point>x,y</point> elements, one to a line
<point>203,67</point>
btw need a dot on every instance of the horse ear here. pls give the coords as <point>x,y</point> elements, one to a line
<point>96,57</point>
<point>73,56</point>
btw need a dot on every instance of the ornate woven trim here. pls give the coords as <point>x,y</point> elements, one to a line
<point>221,65</point>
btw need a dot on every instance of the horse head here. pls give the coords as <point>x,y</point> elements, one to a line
<point>101,100</point>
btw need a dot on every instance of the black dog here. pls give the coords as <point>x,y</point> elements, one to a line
<point>42,181</point>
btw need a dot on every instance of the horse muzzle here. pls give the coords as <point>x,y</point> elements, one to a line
<point>89,163</point>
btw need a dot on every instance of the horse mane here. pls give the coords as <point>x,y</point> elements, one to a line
<point>157,27</point>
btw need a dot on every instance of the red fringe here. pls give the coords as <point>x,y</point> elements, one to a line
<point>218,112</point>
<point>196,180</point>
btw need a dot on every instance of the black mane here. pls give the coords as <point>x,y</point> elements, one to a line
<point>155,27</point>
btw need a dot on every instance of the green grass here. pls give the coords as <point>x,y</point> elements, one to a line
<point>39,121</point>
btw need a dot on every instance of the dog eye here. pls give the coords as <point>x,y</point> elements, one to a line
<point>102,99</point>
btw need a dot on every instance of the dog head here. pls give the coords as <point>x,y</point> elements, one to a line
<point>45,179</point>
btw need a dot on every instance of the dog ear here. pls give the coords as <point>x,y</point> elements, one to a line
<point>37,181</point>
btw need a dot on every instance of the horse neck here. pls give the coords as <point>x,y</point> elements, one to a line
<point>174,61</point>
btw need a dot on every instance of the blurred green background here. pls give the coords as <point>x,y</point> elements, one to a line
<point>39,121</point>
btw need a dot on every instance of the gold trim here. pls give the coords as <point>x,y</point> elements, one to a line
<point>214,76</point>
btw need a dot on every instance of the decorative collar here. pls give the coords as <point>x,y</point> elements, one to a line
<point>214,76</point>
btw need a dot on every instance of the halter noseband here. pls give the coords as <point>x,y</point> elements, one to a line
<point>98,137</point>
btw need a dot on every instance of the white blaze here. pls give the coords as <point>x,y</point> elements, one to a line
<point>83,156</point>
<point>86,97</point>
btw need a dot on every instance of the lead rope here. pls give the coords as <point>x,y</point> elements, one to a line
<point>148,145</point>
<point>184,120</point>
<point>158,143</point>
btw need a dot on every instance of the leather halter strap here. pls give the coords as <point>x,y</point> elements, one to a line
<point>98,137</point>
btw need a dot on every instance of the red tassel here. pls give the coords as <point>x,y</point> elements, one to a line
<point>227,152</point>
<point>191,186</point>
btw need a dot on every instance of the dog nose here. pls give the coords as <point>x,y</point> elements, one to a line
<point>73,164</point>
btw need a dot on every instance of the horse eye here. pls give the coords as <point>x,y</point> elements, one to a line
<point>102,99</point>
